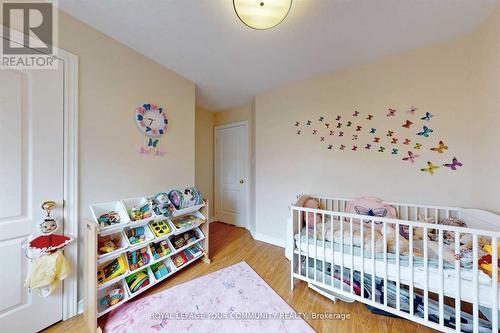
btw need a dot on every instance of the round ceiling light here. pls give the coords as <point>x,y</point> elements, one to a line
<point>262,14</point>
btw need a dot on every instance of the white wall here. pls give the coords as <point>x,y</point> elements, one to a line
<point>443,79</point>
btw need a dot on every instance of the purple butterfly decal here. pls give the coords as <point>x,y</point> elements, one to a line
<point>411,157</point>
<point>454,165</point>
<point>379,212</point>
<point>368,146</point>
<point>338,118</point>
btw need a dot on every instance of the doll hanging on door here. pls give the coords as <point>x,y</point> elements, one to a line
<point>48,264</point>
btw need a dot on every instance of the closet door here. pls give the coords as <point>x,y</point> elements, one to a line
<point>31,172</point>
<point>231,174</point>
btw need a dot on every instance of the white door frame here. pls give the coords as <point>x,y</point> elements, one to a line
<point>70,190</point>
<point>247,176</point>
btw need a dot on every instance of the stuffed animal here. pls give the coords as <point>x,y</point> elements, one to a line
<point>309,216</point>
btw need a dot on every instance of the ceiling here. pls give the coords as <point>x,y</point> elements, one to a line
<point>203,40</point>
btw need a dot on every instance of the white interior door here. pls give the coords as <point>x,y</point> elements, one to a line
<point>231,174</point>
<point>31,172</point>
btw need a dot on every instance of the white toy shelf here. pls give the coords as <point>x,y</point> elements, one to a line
<point>95,291</point>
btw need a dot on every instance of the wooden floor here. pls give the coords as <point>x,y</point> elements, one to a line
<point>230,245</point>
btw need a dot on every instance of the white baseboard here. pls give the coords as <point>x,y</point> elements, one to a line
<point>81,306</point>
<point>269,239</point>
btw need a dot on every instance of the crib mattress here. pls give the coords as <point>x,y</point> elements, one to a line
<point>450,288</point>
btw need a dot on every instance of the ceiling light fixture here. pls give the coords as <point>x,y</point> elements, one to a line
<point>262,14</point>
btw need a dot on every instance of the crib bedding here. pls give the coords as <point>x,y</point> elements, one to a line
<point>467,287</point>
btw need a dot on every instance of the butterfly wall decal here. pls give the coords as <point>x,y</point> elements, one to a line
<point>376,140</point>
<point>297,123</point>
<point>338,118</point>
<point>417,146</point>
<point>298,132</point>
<point>390,133</point>
<point>391,112</point>
<point>322,138</point>
<point>354,137</point>
<point>358,128</point>
<point>406,142</point>
<point>330,146</point>
<point>308,123</point>
<point>381,149</point>
<point>153,142</point>
<point>440,148</point>
<point>407,124</point>
<point>355,114</point>
<point>354,148</point>
<point>321,118</point>
<point>342,147</point>
<point>331,132</point>
<point>394,151</point>
<point>427,116</point>
<point>327,125</point>
<point>426,131</point>
<point>454,164</point>
<point>411,157</point>
<point>315,132</point>
<point>339,125</point>
<point>349,123</point>
<point>341,133</point>
<point>370,117</point>
<point>368,146</point>
<point>430,168</point>
<point>412,110</point>
<point>394,140</point>
<point>373,130</point>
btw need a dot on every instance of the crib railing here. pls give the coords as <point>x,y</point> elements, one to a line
<point>398,267</point>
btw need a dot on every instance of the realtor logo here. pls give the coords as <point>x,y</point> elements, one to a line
<point>29,35</point>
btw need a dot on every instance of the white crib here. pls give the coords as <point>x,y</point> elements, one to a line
<point>419,288</point>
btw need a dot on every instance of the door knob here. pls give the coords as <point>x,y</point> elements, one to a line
<point>241,181</point>
<point>48,206</point>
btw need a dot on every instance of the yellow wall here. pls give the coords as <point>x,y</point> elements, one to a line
<point>457,81</point>
<point>204,154</point>
<point>113,81</point>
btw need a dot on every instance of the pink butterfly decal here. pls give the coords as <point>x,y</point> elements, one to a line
<point>411,157</point>
<point>407,124</point>
<point>392,112</point>
<point>412,110</point>
<point>454,164</point>
<point>355,114</point>
<point>354,148</point>
<point>407,142</point>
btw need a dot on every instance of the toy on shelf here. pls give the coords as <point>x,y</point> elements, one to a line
<point>160,249</point>
<point>485,262</point>
<point>111,269</point>
<point>109,218</point>
<point>137,281</point>
<point>160,270</point>
<point>179,259</point>
<point>186,221</point>
<point>183,239</point>
<point>162,205</point>
<point>186,198</point>
<point>109,243</point>
<point>195,250</point>
<point>112,297</point>
<point>138,258</point>
<point>136,235</point>
<point>160,228</point>
<point>142,211</point>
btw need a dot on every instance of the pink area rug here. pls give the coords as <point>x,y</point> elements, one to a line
<point>233,299</point>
